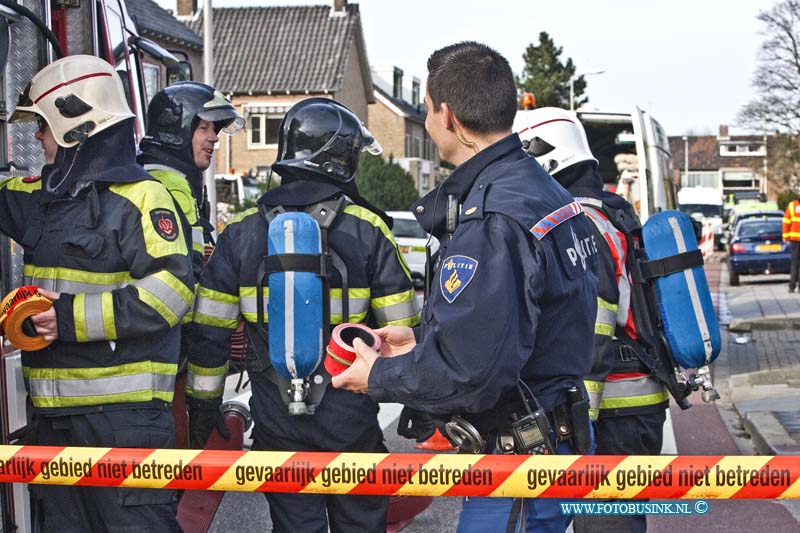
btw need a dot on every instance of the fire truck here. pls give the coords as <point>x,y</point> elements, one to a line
<point>34,33</point>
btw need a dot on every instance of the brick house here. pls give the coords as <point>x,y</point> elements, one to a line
<point>726,162</point>
<point>158,25</point>
<point>268,58</point>
<point>397,119</point>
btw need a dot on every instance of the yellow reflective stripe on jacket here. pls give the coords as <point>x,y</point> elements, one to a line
<point>60,279</point>
<point>94,317</point>
<point>398,309</point>
<point>370,217</point>
<point>143,194</point>
<point>595,391</point>
<point>176,183</point>
<point>74,387</point>
<point>357,302</point>
<point>205,383</point>
<point>218,309</point>
<point>606,318</point>
<point>635,392</point>
<point>248,303</point>
<point>16,184</point>
<point>166,294</point>
<point>241,216</point>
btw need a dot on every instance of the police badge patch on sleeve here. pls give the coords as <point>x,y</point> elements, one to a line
<point>164,223</point>
<point>457,272</point>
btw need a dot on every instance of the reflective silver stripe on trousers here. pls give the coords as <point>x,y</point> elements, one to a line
<point>390,313</point>
<point>71,287</point>
<point>632,387</point>
<point>248,304</point>
<point>168,296</point>
<point>93,315</point>
<point>79,388</point>
<point>200,383</point>
<point>356,306</point>
<point>215,309</point>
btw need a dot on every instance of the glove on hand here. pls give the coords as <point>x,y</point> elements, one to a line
<point>415,424</point>
<point>204,416</point>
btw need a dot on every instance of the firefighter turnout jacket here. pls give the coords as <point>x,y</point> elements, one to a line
<point>114,250</point>
<point>513,296</point>
<point>791,221</point>
<point>380,293</point>
<point>619,383</point>
<point>175,182</point>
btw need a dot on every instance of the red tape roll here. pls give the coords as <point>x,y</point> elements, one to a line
<point>340,353</point>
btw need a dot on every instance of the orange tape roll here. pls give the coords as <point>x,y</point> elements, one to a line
<point>19,305</point>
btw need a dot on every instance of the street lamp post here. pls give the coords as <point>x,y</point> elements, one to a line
<point>572,87</point>
<point>685,161</point>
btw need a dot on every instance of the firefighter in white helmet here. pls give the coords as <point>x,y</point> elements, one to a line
<point>102,240</point>
<point>626,400</point>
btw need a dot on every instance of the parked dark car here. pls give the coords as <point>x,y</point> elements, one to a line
<point>736,217</point>
<point>757,247</point>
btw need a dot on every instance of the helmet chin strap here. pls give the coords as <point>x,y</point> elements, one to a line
<point>48,181</point>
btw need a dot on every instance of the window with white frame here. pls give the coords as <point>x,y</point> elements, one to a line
<point>152,80</point>
<point>263,124</point>
<point>743,149</point>
<point>740,179</point>
<point>700,179</point>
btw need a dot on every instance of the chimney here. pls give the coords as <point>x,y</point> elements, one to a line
<point>723,131</point>
<point>186,8</point>
<point>339,6</point>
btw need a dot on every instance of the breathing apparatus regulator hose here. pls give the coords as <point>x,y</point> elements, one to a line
<point>340,353</point>
<point>18,306</point>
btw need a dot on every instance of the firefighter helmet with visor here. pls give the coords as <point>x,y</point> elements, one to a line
<point>321,138</point>
<point>175,111</point>
<point>556,138</point>
<point>78,96</point>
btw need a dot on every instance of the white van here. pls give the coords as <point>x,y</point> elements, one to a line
<point>703,204</point>
<point>411,239</point>
<point>633,154</point>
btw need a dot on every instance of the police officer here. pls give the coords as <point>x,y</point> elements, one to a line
<point>320,142</point>
<point>101,239</point>
<point>630,402</point>
<point>184,121</point>
<point>508,325</point>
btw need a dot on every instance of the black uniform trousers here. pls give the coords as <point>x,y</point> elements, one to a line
<point>640,434</point>
<point>334,427</point>
<point>795,268</point>
<point>57,508</point>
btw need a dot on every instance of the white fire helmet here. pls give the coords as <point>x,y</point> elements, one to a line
<point>78,96</point>
<point>556,138</point>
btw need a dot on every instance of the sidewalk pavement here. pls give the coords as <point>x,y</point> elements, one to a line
<point>758,371</point>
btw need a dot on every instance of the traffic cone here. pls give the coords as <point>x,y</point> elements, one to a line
<point>437,443</point>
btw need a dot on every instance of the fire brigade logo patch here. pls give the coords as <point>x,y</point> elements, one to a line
<point>164,223</point>
<point>457,272</point>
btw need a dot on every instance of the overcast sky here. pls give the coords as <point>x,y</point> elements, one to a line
<point>689,62</point>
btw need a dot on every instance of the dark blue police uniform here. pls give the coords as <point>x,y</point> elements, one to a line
<point>513,298</point>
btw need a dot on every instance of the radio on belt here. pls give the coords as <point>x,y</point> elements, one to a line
<point>340,353</point>
<point>15,312</point>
